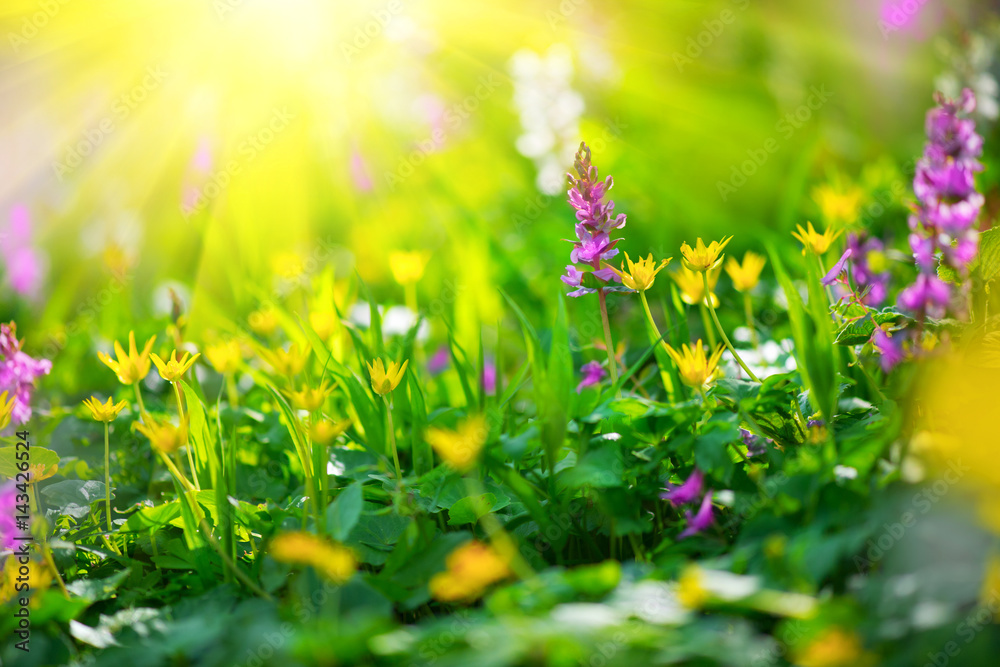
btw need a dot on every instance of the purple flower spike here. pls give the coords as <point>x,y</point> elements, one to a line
<point>19,372</point>
<point>687,492</point>
<point>928,295</point>
<point>593,373</point>
<point>702,520</point>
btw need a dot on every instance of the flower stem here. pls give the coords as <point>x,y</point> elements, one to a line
<point>668,384</point>
<point>234,397</point>
<point>392,438</point>
<point>709,329</point>
<point>612,364</point>
<point>142,407</point>
<point>722,332</point>
<point>187,444</point>
<point>748,307</point>
<point>107,473</point>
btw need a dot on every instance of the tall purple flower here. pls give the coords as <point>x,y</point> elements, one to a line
<point>18,372</point>
<point>703,519</point>
<point>596,219</point>
<point>943,225</point>
<point>22,261</point>
<point>687,492</point>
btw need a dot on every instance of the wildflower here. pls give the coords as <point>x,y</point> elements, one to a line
<point>439,360</point>
<point>471,569</point>
<point>310,398</point>
<point>813,241</point>
<point>18,373</point>
<point>695,367</point>
<point>460,448</point>
<point>837,269</point>
<point>324,431</point>
<point>702,258</point>
<point>174,370</point>
<point>489,377</point>
<point>929,294</point>
<point>8,511</point>
<point>386,378</point>
<point>596,220</point>
<point>593,373</point>
<point>225,357</point>
<point>746,276</point>
<point>103,412</point>
<point>833,648</point>
<point>692,286</point>
<point>132,367</point>
<point>408,267</point>
<point>691,591</point>
<point>838,206</point>
<point>702,520</point>
<point>263,322</point>
<point>324,323</point>
<point>333,561</point>
<point>640,274</point>
<point>891,350</point>
<point>687,492</point>
<point>164,436</point>
<point>288,363</point>
<point>755,444</point>
<point>6,409</point>
<point>24,262</point>
<point>869,268</point>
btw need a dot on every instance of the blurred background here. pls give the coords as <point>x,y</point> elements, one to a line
<point>189,156</point>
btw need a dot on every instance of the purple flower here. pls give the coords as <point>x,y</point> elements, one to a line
<point>439,361</point>
<point>593,373</point>
<point>929,294</point>
<point>596,219</point>
<point>891,350</point>
<point>702,520</point>
<point>8,510</point>
<point>838,268</point>
<point>22,261</point>
<point>18,372</point>
<point>687,492</point>
<point>755,444</point>
<point>489,378</point>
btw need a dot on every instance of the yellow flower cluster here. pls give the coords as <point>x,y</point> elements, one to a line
<point>333,561</point>
<point>471,569</point>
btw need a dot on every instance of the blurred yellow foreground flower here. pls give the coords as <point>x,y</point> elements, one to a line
<point>333,561</point>
<point>833,648</point>
<point>746,276</point>
<point>224,357</point>
<point>310,398</point>
<point>164,436</point>
<point>471,568</point>
<point>287,362</point>
<point>408,267</point>
<point>132,367</point>
<point>460,448</point>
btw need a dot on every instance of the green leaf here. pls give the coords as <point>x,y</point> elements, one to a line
<point>44,463</point>
<point>472,508</point>
<point>859,331</point>
<point>989,254</point>
<point>74,497</point>
<point>344,512</point>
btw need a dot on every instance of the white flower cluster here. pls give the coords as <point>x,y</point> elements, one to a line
<point>550,112</point>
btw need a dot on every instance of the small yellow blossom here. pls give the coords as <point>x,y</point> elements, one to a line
<point>471,569</point>
<point>310,398</point>
<point>838,206</point>
<point>408,267</point>
<point>813,241</point>
<point>333,561</point>
<point>745,277</point>
<point>263,322</point>
<point>164,436</point>
<point>132,367</point>
<point>6,409</point>
<point>225,357</point>
<point>704,258</point>
<point>324,323</point>
<point>640,274</point>
<point>460,448</point>
<point>174,370</point>
<point>288,362</point>
<point>324,431</point>
<point>833,648</point>
<point>691,591</point>
<point>385,379</point>
<point>692,286</point>
<point>102,412</point>
<point>695,367</point>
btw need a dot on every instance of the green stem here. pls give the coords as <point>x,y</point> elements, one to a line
<point>142,407</point>
<point>392,438</point>
<point>107,473</point>
<point>664,373</point>
<point>612,364</point>
<point>187,443</point>
<point>722,332</point>
<point>234,396</point>
<point>709,330</point>
<point>748,307</point>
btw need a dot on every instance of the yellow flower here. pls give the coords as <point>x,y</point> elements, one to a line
<point>174,370</point>
<point>102,412</point>
<point>834,648</point>
<point>6,409</point>
<point>288,265</point>
<point>695,367</point>
<point>335,562</point>
<point>385,379</point>
<point>164,436</point>
<point>324,323</point>
<point>839,207</point>
<point>702,258</point>
<point>263,322</point>
<point>640,274</point>
<point>324,431</point>
<point>225,357</point>
<point>309,398</point>
<point>814,241</point>
<point>131,367</point>
<point>745,277</point>
<point>692,286</point>
<point>13,579</point>
<point>471,568</point>
<point>691,591</point>
<point>287,362</point>
<point>460,448</point>
<point>408,267</point>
